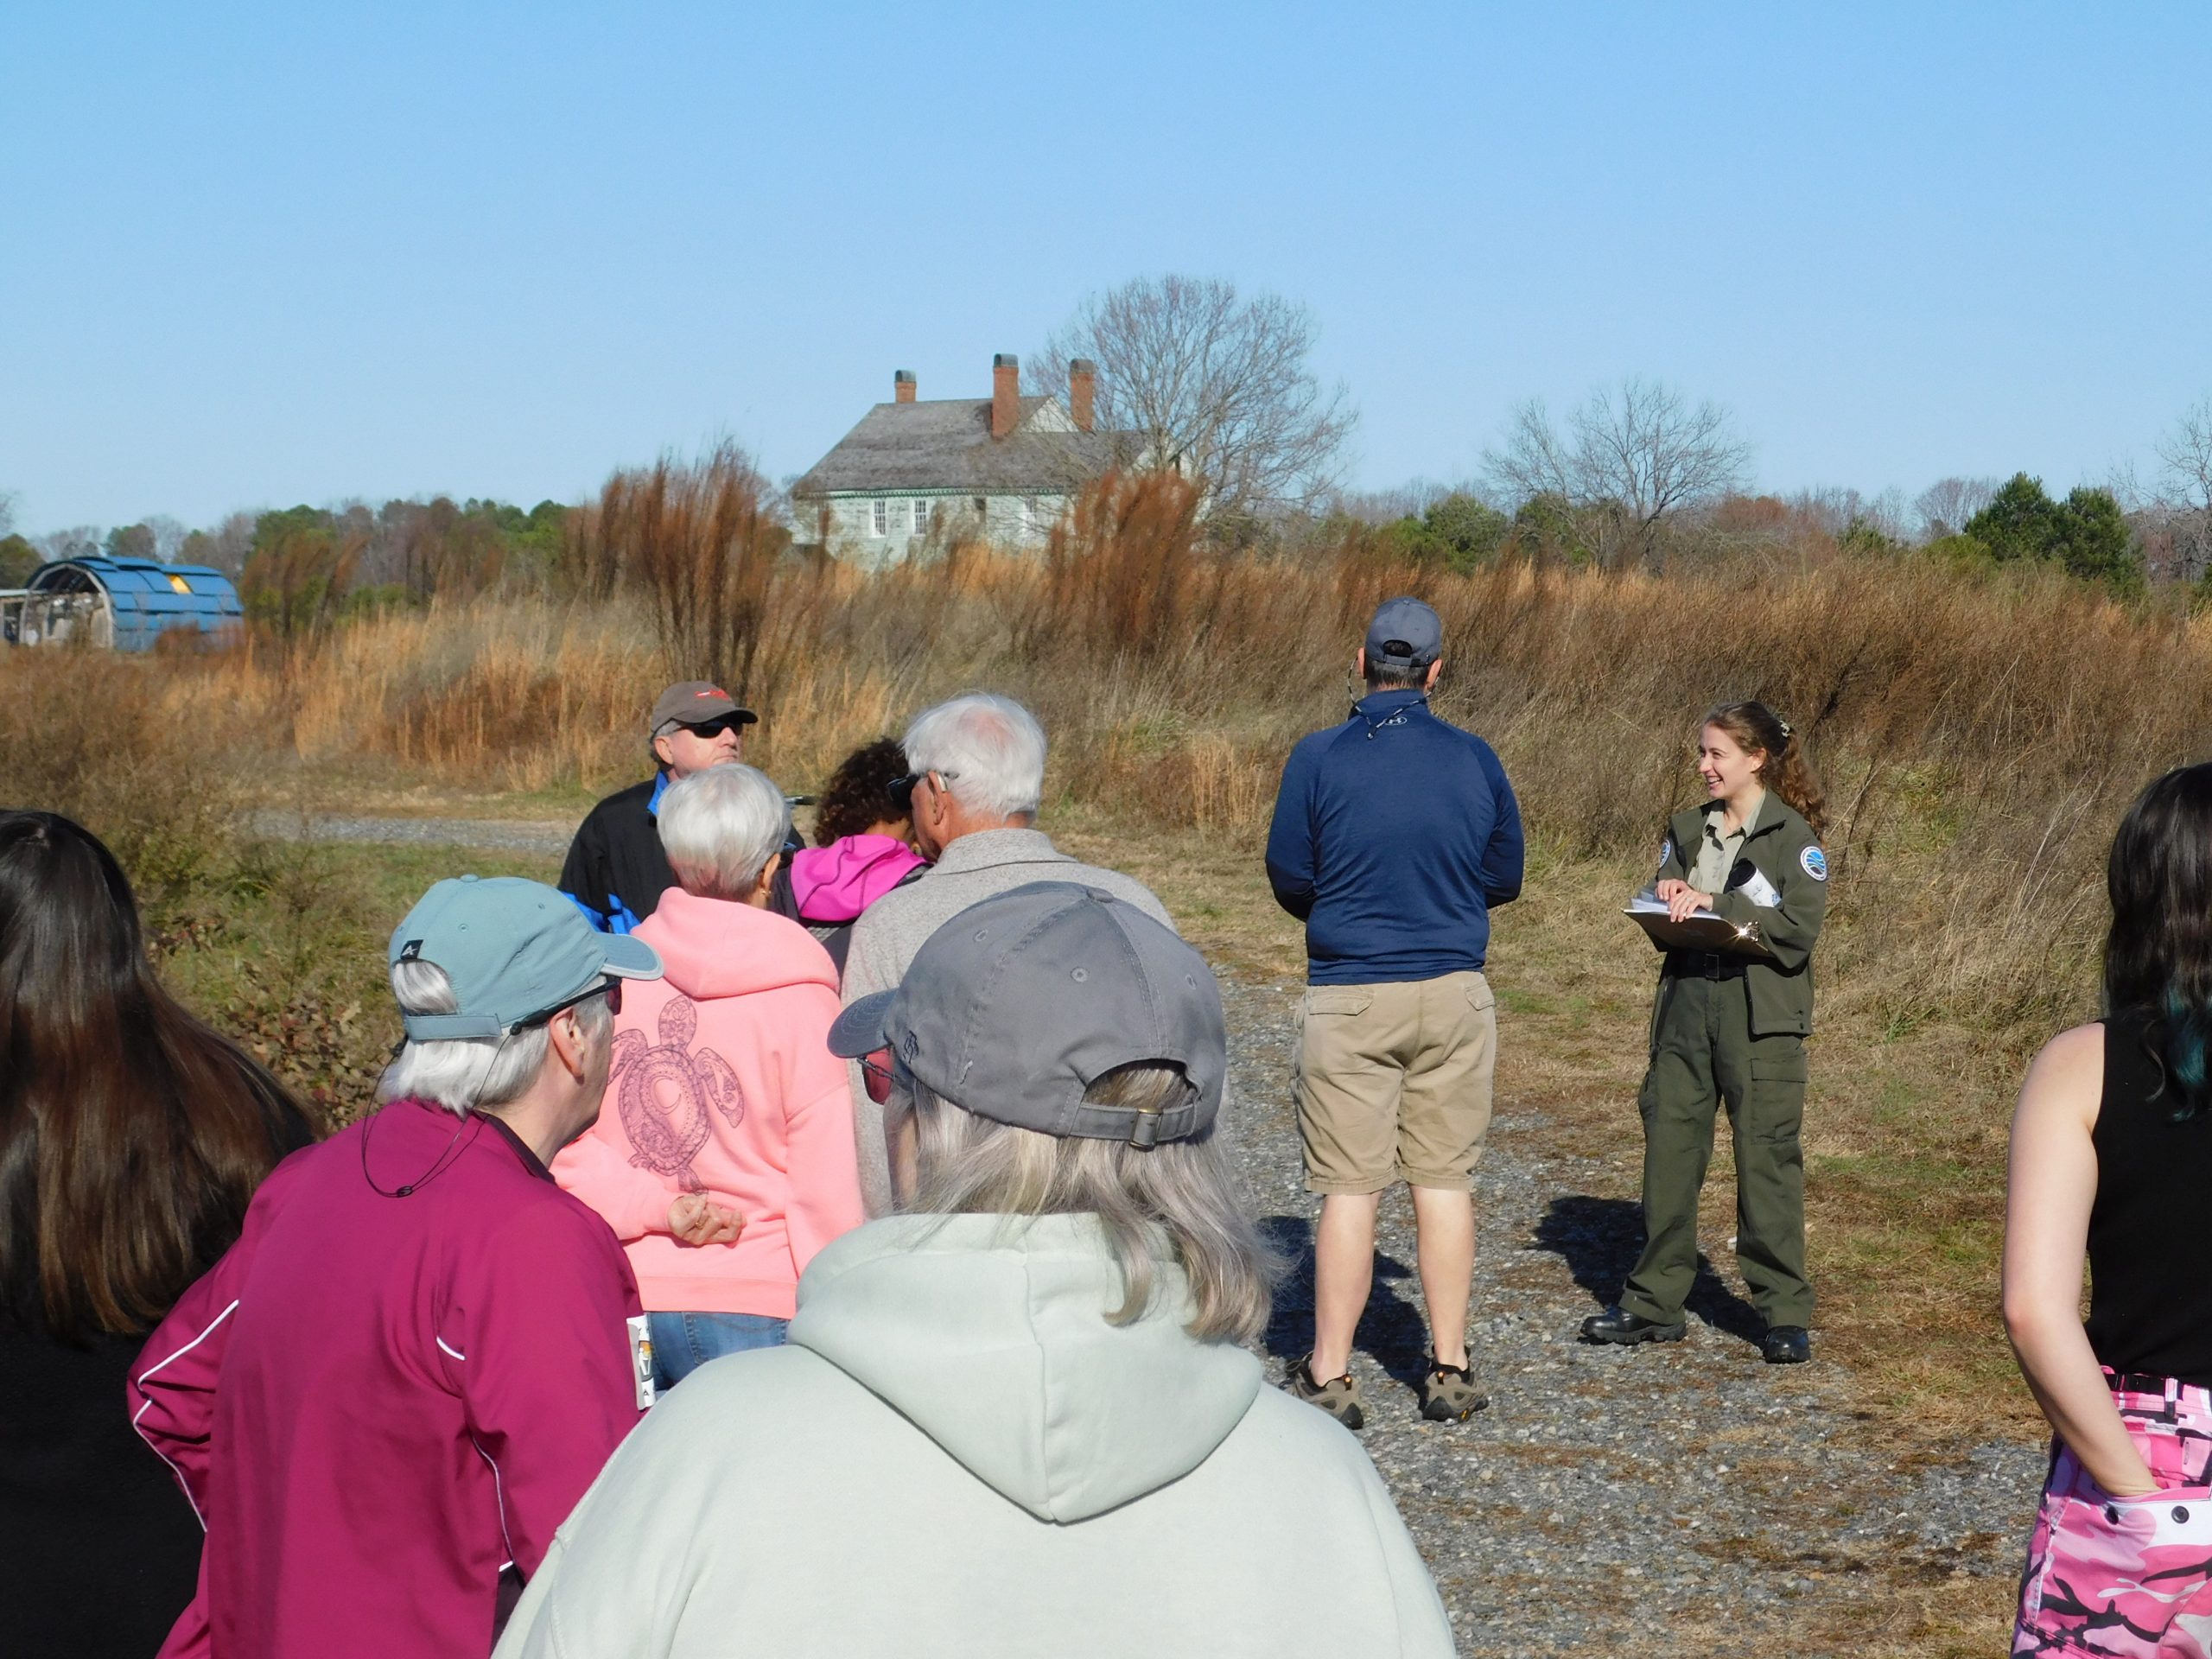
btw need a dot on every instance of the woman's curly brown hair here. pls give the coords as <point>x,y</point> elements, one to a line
<point>855,800</point>
<point>1755,728</point>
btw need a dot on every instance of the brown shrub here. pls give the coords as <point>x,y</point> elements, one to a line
<point>136,750</point>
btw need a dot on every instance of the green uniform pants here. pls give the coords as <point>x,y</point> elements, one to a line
<point>1703,1054</point>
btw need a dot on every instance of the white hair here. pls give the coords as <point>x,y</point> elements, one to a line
<point>1178,1202</point>
<point>720,827</point>
<point>989,751</point>
<point>462,1073</point>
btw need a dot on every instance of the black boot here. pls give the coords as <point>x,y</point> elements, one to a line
<point>1786,1344</point>
<point>1616,1325</point>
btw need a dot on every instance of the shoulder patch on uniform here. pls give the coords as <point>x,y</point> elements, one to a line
<point>1666,850</point>
<point>1816,862</point>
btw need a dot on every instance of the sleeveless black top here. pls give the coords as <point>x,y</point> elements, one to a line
<point>2150,1226</point>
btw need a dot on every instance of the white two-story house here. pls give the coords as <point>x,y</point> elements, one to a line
<point>1003,468</point>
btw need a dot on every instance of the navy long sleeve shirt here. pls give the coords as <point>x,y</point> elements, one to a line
<point>1395,835</point>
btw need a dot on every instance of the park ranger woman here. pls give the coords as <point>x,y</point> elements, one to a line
<point>1731,1026</point>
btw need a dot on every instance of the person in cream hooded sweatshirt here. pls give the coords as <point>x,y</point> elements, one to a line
<point>1016,1418</point>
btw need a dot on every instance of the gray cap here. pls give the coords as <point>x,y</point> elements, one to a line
<point>694,703</point>
<point>513,949</point>
<point>1405,633</point>
<point>1018,1004</point>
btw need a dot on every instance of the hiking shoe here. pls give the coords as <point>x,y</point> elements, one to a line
<point>1786,1344</point>
<point>1617,1324</point>
<point>1339,1396</point>
<point>1448,1394</point>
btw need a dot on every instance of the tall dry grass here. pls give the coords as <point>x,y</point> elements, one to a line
<point>1980,737</point>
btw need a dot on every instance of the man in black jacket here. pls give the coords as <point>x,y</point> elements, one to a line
<point>616,870</point>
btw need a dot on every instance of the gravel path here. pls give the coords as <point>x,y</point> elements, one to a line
<point>1679,1499</point>
<point>502,834</point>
<point>1659,1500</point>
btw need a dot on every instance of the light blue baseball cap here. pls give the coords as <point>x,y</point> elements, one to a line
<point>514,951</point>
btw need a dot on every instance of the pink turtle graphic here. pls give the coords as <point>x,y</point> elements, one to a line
<point>666,1091</point>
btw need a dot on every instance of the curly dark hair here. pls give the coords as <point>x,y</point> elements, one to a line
<point>854,798</point>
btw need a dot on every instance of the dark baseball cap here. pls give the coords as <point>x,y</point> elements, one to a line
<point>1018,1004</point>
<point>694,703</point>
<point>1405,633</point>
<point>512,950</point>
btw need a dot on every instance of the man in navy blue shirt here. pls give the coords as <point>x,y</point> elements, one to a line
<point>1395,835</point>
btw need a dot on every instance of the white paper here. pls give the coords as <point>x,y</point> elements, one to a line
<point>1760,892</point>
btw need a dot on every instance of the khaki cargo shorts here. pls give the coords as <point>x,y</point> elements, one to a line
<point>1394,1082</point>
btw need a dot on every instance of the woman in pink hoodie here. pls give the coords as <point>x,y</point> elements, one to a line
<point>723,1154</point>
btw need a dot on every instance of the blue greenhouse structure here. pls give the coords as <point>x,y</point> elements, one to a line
<point>118,604</point>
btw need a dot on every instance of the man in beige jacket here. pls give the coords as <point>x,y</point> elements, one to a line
<point>976,774</point>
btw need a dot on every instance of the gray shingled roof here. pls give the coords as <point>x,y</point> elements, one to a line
<point>946,444</point>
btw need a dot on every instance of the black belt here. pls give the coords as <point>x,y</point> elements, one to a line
<point>2142,1383</point>
<point>1705,964</point>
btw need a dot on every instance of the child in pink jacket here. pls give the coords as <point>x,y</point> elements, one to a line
<point>863,832</point>
<point>723,1154</point>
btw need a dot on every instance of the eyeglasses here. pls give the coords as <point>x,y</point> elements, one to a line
<point>901,788</point>
<point>877,1076</point>
<point>713,728</point>
<point>610,986</point>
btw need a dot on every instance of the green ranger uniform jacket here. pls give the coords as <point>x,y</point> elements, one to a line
<point>1780,882</point>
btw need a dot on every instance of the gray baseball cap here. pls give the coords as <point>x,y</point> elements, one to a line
<point>694,703</point>
<point>513,949</point>
<point>1405,633</point>
<point>1018,1004</point>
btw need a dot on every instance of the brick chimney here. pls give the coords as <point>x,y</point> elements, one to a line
<point>1006,394</point>
<point>902,386</point>
<point>1083,393</point>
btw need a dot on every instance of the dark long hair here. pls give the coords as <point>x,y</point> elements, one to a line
<point>132,1136</point>
<point>2159,954</point>
<point>1756,728</point>
<point>854,798</point>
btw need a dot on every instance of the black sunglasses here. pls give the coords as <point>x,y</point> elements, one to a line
<point>611,986</point>
<point>711,728</point>
<point>901,788</point>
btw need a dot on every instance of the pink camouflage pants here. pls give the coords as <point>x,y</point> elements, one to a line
<point>2127,1576</point>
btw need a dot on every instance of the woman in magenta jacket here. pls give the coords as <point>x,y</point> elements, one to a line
<point>723,1155</point>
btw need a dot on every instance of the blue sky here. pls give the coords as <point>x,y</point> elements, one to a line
<point>261,255</point>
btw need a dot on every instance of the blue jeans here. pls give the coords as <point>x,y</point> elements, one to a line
<point>684,1342</point>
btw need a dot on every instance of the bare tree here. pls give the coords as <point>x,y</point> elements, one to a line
<point>74,542</point>
<point>1839,510</point>
<point>1945,506</point>
<point>1626,462</point>
<point>6,512</point>
<point>2186,496</point>
<point>1191,375</point>
<point>169,536</point>
<point>234,543</point>
<point>1406,501</point>
<point>2187,453</point>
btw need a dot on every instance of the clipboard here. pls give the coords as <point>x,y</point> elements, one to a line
<point>1703,931</point>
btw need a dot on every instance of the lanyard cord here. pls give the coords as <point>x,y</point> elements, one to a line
<point>438,1167</point>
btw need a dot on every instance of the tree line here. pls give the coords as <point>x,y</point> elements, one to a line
<point>1220,387</point>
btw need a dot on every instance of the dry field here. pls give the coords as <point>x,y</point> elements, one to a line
<point>1980,737</point>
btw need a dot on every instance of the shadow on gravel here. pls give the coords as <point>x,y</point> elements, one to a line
<point>1599,1240</point>
<point>1392,1329</point>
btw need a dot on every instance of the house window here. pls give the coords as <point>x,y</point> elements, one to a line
<point>921,516</point>
<point>882,516</point>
